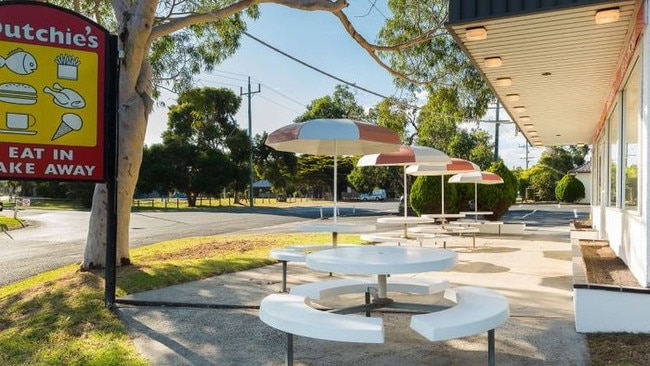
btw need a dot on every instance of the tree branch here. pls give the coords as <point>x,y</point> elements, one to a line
<point>371,49</point>
<point>119,7</point>
<point>179,23</point>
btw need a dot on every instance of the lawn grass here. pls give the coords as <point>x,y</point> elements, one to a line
<point>59,317</point>
<point>10,223</point>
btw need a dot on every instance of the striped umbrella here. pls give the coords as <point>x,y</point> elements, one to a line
<point>454,167</point>
<point>476,178</point>
<point>407,155</point>
<point>333,137</point>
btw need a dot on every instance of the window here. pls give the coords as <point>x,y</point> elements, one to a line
<point>612,125</point>
<point>631,122</point>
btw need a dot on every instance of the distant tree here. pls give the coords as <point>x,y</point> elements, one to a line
<point>438,120</point>
<point>397,115</point>
<point>542,181</point>
<point>278,167</point>
<point>474,145</point>
<point>365,179</point>
<point>203,150</point>
<point>316,173</point>
<point>561,159</point>
<point>342,104</point>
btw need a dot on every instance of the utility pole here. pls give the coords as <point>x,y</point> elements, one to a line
<point>527,158</point>
<point>496,135</point>
<point>249,94</point>
<point>497,124</point>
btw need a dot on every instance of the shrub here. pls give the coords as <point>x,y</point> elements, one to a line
<point>499,197</point>
<point>569,189</point>
<point>426,196</point>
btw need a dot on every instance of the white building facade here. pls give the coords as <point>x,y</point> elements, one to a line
<point>574,72</point>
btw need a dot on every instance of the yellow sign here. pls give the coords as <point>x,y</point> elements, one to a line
<point>48,95</point>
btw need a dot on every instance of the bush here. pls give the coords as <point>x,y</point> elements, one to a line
<point>569,189</point>
<point>499,197</point>
<point>426,196</point>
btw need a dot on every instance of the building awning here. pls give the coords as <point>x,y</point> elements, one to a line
<point>553,68</point>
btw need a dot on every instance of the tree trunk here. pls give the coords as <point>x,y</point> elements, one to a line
<point>132,130</point>
<point>135,104</point>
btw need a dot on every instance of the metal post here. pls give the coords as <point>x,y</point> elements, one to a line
<point>111,163</point>
<point>284,276</point>
<point>249,94</point>
<point>491,351</point>
<point>496,136</point>
<point>289,356</point>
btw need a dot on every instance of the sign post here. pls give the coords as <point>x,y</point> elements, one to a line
<point>58,97</point>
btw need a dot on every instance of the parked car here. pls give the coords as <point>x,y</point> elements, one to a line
<point>370,197</point>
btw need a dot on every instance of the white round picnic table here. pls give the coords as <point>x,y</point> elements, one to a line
<point>476,214</point>
<point>444,217</point>
<point>336,228</point>
<point>381,261</point>
<point>405,221</point>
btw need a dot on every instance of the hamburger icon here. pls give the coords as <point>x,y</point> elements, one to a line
<point>17,93</point>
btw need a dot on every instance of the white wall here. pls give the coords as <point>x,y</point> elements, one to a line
<point>585,179</point>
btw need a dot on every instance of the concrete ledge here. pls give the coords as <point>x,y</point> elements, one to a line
<point>606,308</point>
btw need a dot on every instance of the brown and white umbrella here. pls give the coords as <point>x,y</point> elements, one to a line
<point>334,137</point>
<point>407,155</point>
<point>454,167</point>
<point>476,178</point>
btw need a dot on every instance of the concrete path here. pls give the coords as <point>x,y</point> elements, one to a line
<point>533,271</point>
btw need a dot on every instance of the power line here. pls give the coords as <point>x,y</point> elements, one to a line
<point>279,105</point>
<point>316,68</point>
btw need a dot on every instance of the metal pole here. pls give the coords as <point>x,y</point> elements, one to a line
<point>496,135</point>
<point>289,356</point>
<point>491,350</point>
<point>249,94</point>
<point>111,165</point>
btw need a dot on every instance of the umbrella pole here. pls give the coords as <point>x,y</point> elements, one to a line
<point>406,204</point>
<point>335,184</point>
<point>442,180</point>
<point>406,201</point>
<point>475,202</point>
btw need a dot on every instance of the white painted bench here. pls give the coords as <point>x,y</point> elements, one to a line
<point>325,289</point>
<point>477,310</point>
<point>293,315</point>
<point>294,253</point>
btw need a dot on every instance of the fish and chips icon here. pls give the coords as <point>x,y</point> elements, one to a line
<point>19,62</point>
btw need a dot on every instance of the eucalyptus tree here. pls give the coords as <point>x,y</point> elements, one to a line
<point>205,148</point>
<point>278,167</point>
<point>164,43</point>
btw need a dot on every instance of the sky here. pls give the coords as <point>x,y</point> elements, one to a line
<point>287,87</point>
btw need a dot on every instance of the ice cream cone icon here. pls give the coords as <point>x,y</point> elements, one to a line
<point>69,122</point>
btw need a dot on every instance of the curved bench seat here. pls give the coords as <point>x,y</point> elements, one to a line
<point>477,310</point>
<point>325,289</point>
<point>292,314</point>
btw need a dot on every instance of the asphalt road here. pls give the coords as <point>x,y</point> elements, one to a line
<point>57,238</point>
